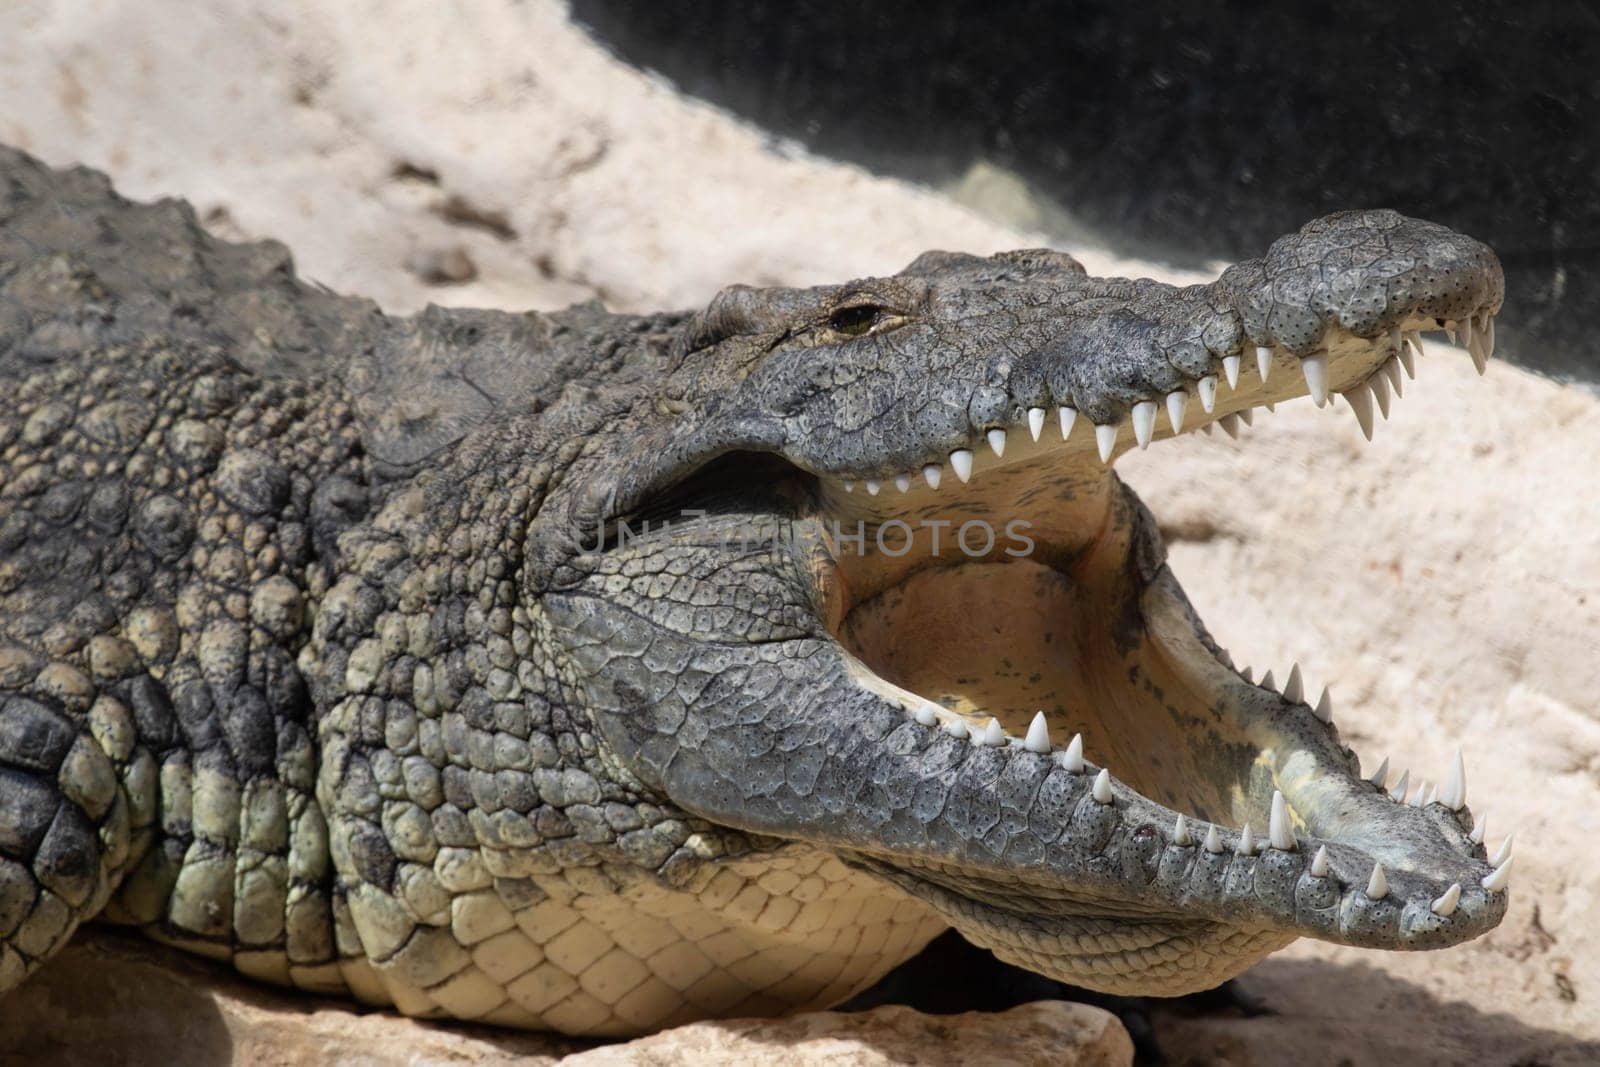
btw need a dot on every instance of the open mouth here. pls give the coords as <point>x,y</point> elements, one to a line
<point>1012,595</point>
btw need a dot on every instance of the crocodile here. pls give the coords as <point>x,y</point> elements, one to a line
<point>597,672</point>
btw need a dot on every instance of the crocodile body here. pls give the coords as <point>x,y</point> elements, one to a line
<point>593,672</point>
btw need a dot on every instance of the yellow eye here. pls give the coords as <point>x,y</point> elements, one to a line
<point>855,321</point>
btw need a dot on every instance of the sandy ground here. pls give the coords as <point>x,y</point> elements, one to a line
<point>1444,580</point>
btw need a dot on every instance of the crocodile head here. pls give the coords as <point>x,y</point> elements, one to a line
<point>871,583</point>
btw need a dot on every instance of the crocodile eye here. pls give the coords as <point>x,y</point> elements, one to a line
<point>855,321</point>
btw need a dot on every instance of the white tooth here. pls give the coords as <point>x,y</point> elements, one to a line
<point>1294,688</point>
<point>1324,708</point>
<point>1414,339</point>
<point>926,715</point>
<point>1315,368</point>
<point>1479,362</point>
<point>1503,853</point>
<point>1488,338</point>
<point>961,463</point>
<point>1398,793</point>
<point>1144,422</point>
<point>1035,422</point>
<point>1319,863</point>
<point>1213,841</point>
<point>1360,400</point>
<point>1407,363</point>
<point>1038,739</point>
<point>1496,879</point>
<point>1396,339</point>
<point>1247,842</point>
<point>956,728</point>
<point>994,735</point>
<point>1380,392</point>
<point>849,487</point>
<point>1180,832</point>
<point>1207,388</point>
<point>1391,371</point>
<point>1464,331</point>
<point>1102,787</point>
<point>1377,885</point>
<point>1479,828</point>
<point>932,474</point>
<point>1177,404</point>
<point>1230,369</point>
<point>1445,906</point>
<point>1450,331</point>
<point>1230,425</point>
<point>1248,675</point>
<point>1279,832</point>
<point>997,441</point>
<point>1417,797</point>
<point>1073,760</point>
<point>1433,795</point>
<point>1106,438</point>
<point>872,487</point>
<point>1381,775</point>
<point>1267,682</point>
<point>1454,793</point>
<point>1263,361</point>
<point>902,482</point>
<point>1068,417</point>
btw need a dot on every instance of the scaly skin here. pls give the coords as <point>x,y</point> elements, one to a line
<point>336,644</point>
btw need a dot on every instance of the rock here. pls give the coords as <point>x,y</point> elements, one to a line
<point>114,996</point>
<point>1044,1032</point>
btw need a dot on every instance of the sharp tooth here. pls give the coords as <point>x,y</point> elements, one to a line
<point>1177,404</point>
<point>1479,828</point>
<point>1433,795</point>
<point>961,463</point>
<point>1105,437</point>
<point>1294,688</point>
<point>1319,862</point>
<point>1248,675</point>
<point>1445,906</point>
<point>1247,842</point>
<point>1206,429</point>
<point>926,715</point>
<point>1407,363</point>
<point>1230,425</point>
<point>1267,682</point>
<point>1144,422</point>
<point>1073,760</point>
<point>1414,339</point>
<point>994,734</point>
<point>1417,797</point>
<point>1213,841</point>
<point>1377,885</point>
<point>1380,392</point>
<point>932,474</point>
<point>1068,417</point>
<point>1360,400</point>
<point>1503,853</point>
<point>1315,368</point>
<point>1102,787</point>
<point>1279,832</point>
<point>1496,879</point>
<point>1038,739</point>
<point>997,441</point>
<point>1398,793</point>
<point>956,728</point>
<point>872,487</point>
<point>1450,331</point>
<point>1035,422</point>
<point>849,487</point>
<point>902,482</point>
<point>1454,793</point>
<point>1246,416</point>
<point>1227,660</point>
<point>1207,388</point>
<point>1324,708</point>
<point>1464,332</point>
<point>1263,362</point>
<point>1396,339</point>
<point>1480,362</point>
<point>1180,832</point>
<point>1391,371</point>
<point>1381,775</point>
<point>1230,368</point>
<point>1488,338</point>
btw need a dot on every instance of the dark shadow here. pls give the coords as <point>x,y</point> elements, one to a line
<point>1178,130</point>
<point>1305,1012</point>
